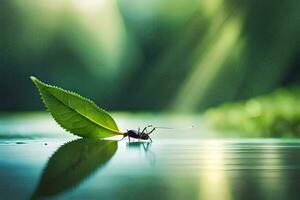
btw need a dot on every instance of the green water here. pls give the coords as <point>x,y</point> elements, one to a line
<point>40,160</point>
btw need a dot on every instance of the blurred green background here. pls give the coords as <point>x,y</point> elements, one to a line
<point>148,55</point>
<point>230,69</point>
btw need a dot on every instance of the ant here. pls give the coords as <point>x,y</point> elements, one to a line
<point>137,134</point>
<point>144,135</point>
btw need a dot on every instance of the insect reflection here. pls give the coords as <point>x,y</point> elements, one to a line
<point>149,155</point>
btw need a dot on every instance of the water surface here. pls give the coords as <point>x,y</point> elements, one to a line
<point>185,164</point>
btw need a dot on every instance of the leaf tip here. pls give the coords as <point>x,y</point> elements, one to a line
<point>36,81</point>
<point>33,78</point>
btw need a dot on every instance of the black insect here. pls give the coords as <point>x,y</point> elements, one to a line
<point>144,134</point>
<point>137,134</point>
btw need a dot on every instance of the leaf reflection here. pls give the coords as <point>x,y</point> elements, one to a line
<point>72,163</point>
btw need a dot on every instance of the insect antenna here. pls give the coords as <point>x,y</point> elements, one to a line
<point>174,128</point>
<point>170,128</point>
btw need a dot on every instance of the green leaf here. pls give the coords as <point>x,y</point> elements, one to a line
<point>72,163</point>
<point>76,114</point>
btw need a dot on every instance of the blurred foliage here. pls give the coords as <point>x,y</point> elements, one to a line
<point>174,55</point>
<point>276,114</point>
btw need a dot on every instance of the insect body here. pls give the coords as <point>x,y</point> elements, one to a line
<point>137,134</point>
<point>144,134</point>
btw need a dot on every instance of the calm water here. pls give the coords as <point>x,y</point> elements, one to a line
<point>38,160</point>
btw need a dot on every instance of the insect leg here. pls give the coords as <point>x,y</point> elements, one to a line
<point>146,128</point>
<point>122,137</point>
<point>152,130</point>
<point>150,139</point>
